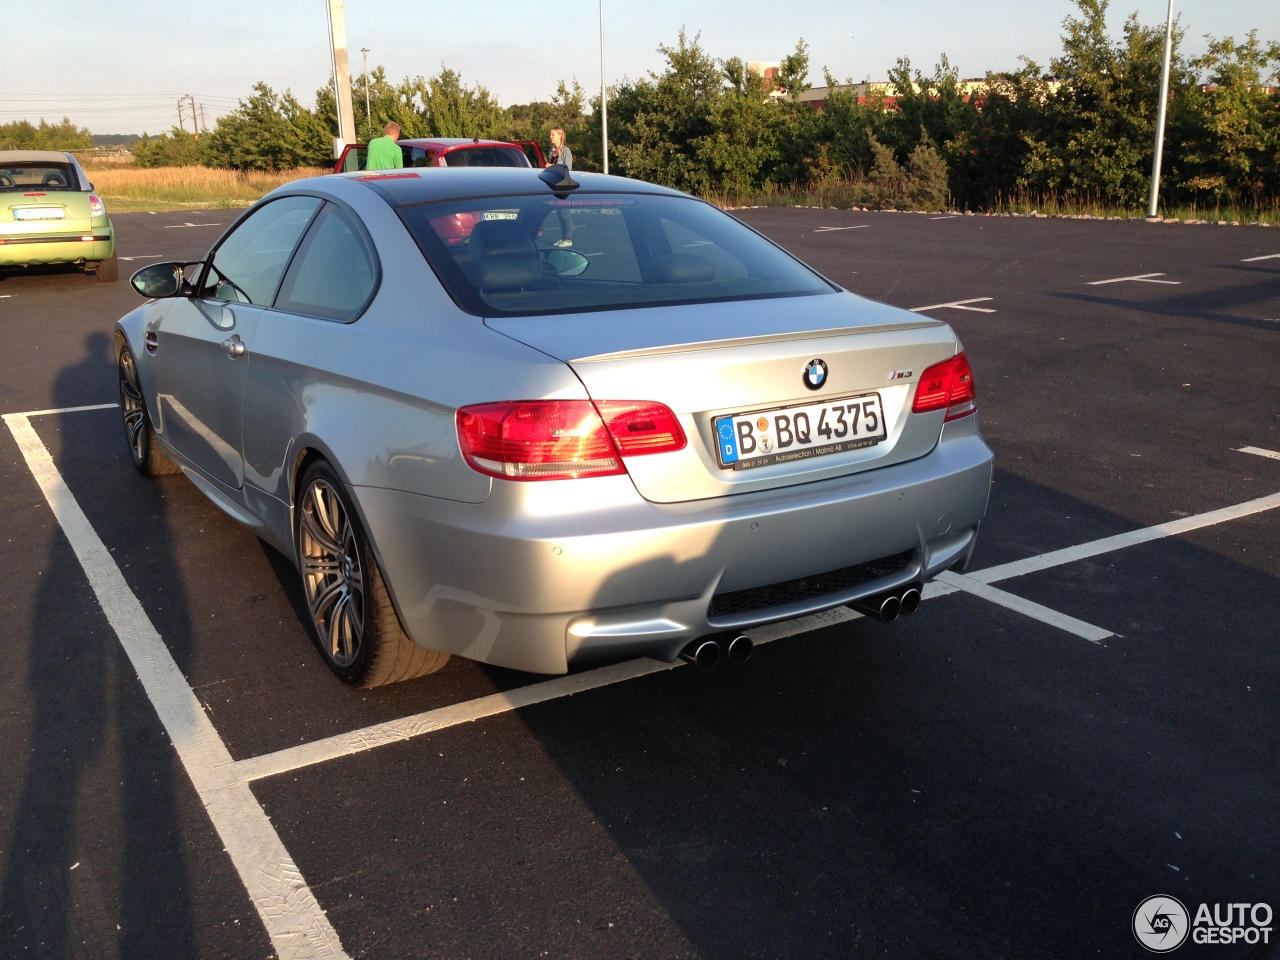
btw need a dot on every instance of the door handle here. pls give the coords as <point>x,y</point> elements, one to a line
<point>233,347</point>
<point>151,341</point>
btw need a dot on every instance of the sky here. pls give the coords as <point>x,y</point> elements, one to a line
<point>123,72</point>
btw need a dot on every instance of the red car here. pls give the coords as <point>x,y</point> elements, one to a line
<point>451,152</point>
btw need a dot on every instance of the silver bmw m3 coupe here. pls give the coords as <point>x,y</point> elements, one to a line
<point>533,420</point>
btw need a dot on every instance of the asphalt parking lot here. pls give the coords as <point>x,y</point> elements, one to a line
<point>1089,717</point>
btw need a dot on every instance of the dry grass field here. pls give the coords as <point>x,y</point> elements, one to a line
<point>182,188</point>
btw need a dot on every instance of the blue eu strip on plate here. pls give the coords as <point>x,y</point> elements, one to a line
<point>728,443</point>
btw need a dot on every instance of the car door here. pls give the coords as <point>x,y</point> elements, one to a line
<point>201,344</point>
<point>330,281</point>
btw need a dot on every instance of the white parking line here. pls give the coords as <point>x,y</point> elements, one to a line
<point>957,305</point>
<point>946,218</point>
<point>1034,610</point>
<point>829,229</point>
<point>144,256</point>
<point>1258,451</point>
<point>1142,278</point>
<point>179,226</point>
<point>1083,551</point>
<point>297,926</point>
<point>1269,256</point>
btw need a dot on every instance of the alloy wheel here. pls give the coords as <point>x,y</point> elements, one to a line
<point>333,576</point>
<point>133,408</point>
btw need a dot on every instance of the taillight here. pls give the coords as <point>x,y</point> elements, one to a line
<point>96,208</point>
<point>946,386</point>
<point>563,439</point>
<point>639,427</point>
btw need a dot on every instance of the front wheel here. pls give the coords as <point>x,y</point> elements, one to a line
<point>353,621</point>
<point>138,432</point>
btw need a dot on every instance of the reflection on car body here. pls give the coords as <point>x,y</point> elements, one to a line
<point>474,439</point>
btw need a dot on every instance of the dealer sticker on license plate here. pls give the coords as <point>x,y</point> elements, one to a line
<point>39,213</point>
<point>786,434</point>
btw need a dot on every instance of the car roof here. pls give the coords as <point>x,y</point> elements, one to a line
<point>454,142</point>
<point>33,156</point>
<point>404,187</point>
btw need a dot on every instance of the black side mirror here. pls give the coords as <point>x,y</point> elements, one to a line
<point>160,280</point>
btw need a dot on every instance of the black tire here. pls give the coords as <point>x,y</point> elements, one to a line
<point>353,622</point>
<point>144,449</point>
<point>108,270</point>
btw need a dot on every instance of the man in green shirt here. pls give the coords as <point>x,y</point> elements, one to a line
<point>384,152</point>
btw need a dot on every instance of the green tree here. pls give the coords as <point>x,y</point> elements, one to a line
<point>1097,134</point>
<point>1229,135</point>
<point>177,148</point>
<point>269,131</point>
<point>657,124</point>
<point>24,135</point>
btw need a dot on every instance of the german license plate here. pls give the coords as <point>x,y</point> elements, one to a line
<point>39,213</point>
<point>799,432</point>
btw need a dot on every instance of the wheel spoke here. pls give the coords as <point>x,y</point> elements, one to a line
<point>129,378</point>
<point>329,512</point>
<point>348,630</point>
<point>313,528</point>
<point>325,601</point>
<point>323,566</point>
<point>135,425</point>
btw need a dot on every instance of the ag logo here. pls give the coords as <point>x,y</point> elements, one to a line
<point>1161,924</point>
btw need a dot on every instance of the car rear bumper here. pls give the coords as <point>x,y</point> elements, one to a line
<point>543,574</point>
<point>23,251</point>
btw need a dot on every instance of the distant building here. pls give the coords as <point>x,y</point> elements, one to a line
<point>768,71</point>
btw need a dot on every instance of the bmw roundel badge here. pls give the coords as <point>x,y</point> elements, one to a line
<point>815,374</point>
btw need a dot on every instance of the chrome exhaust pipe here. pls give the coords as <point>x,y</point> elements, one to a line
<point>703,653</point>
<point>911,599</point>
<point>739,650</point>
<point>884,607</point>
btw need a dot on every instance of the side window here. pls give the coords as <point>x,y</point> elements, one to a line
<point>333,274</point>
<point>247,265</point>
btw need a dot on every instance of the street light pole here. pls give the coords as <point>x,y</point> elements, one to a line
<point>1154,198</point>
<point>341,76</point>
<point>368,121</point>
<point>604,98</point>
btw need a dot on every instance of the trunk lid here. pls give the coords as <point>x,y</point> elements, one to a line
<point>44,212</point>
<point>711,361</point>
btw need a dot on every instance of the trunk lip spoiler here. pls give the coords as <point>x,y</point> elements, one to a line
<point>823,333</point>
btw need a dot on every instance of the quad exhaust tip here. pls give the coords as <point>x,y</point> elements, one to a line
<point>740,648</point>
<point>707,653</point>
<point>887,607</point>
<point>703,654</point>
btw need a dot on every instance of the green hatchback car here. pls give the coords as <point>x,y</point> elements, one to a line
<point>50,214</point>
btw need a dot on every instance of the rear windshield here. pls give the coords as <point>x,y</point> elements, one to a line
<point>47,176</point>
<point>485,157</point>
<point>530,255</point>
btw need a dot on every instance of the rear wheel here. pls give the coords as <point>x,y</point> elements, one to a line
<point>138,432</point>
<point>353,620</point>
<point>108,270</point>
